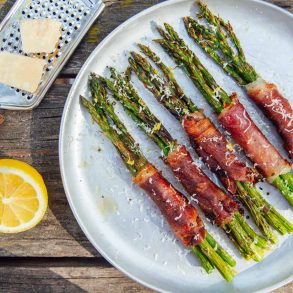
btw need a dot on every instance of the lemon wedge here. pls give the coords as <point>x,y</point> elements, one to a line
<point>23,196</point>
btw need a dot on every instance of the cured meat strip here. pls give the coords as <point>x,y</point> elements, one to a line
<point>275,107</point>
<point>204,135</point>
<point>219,41</point>
<point>216,96</point>
<point>212,164</point>
<point>216,205</point>
<point>244,131</point>
<point>181,216</point>
<point>168,92</point>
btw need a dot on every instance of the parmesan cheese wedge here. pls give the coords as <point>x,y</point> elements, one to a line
<point>22,72</point>
<point>40,35</point>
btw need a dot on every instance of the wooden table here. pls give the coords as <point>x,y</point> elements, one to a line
<point>56,256</point>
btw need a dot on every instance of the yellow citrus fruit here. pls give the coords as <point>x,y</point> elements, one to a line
<point>23,196</point>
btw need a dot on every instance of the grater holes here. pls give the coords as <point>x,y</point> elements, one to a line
<point>71,15</point>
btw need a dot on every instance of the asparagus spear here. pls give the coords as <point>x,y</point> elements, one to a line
<point>102,113</point>
<point>246,240</point>
<point>262,212</point>
<point>133,160</point>
<point>217,38</point>
<point>213,93</point>
<point>214,41</point>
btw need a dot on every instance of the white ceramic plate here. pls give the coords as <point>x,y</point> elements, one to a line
<point>119,220</point>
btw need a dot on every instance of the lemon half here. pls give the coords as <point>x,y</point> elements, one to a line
<point>23,196</point>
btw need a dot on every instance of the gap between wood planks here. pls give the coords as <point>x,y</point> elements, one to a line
<point>54,262</point>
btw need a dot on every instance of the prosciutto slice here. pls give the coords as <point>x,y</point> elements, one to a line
<point>181,216</point>
<point>212,164</point>
<point>217,206</point>
<point>237,121</point>
<point>205,136</point>
<point>275,107</point>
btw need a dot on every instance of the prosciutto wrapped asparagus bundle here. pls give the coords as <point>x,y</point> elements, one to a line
<point>181,216</point>
<point>207,139</point>
<point>216,39</point>
<point>232,115</point>
<point>219,208</point>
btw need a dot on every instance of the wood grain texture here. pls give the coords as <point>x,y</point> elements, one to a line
<point>32,136</point>
<point>55,256</point>
<point>65,276</point>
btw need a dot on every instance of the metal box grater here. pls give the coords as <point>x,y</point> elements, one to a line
<point>76,17</point>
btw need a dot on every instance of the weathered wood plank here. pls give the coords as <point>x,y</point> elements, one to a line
<point>285,289</point>
<point>33,137</point>
<point>22,136</point>
<point>65,277</point>
<point>286,4</point>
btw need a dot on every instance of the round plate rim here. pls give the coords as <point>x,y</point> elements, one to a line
<point>62,129</point>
